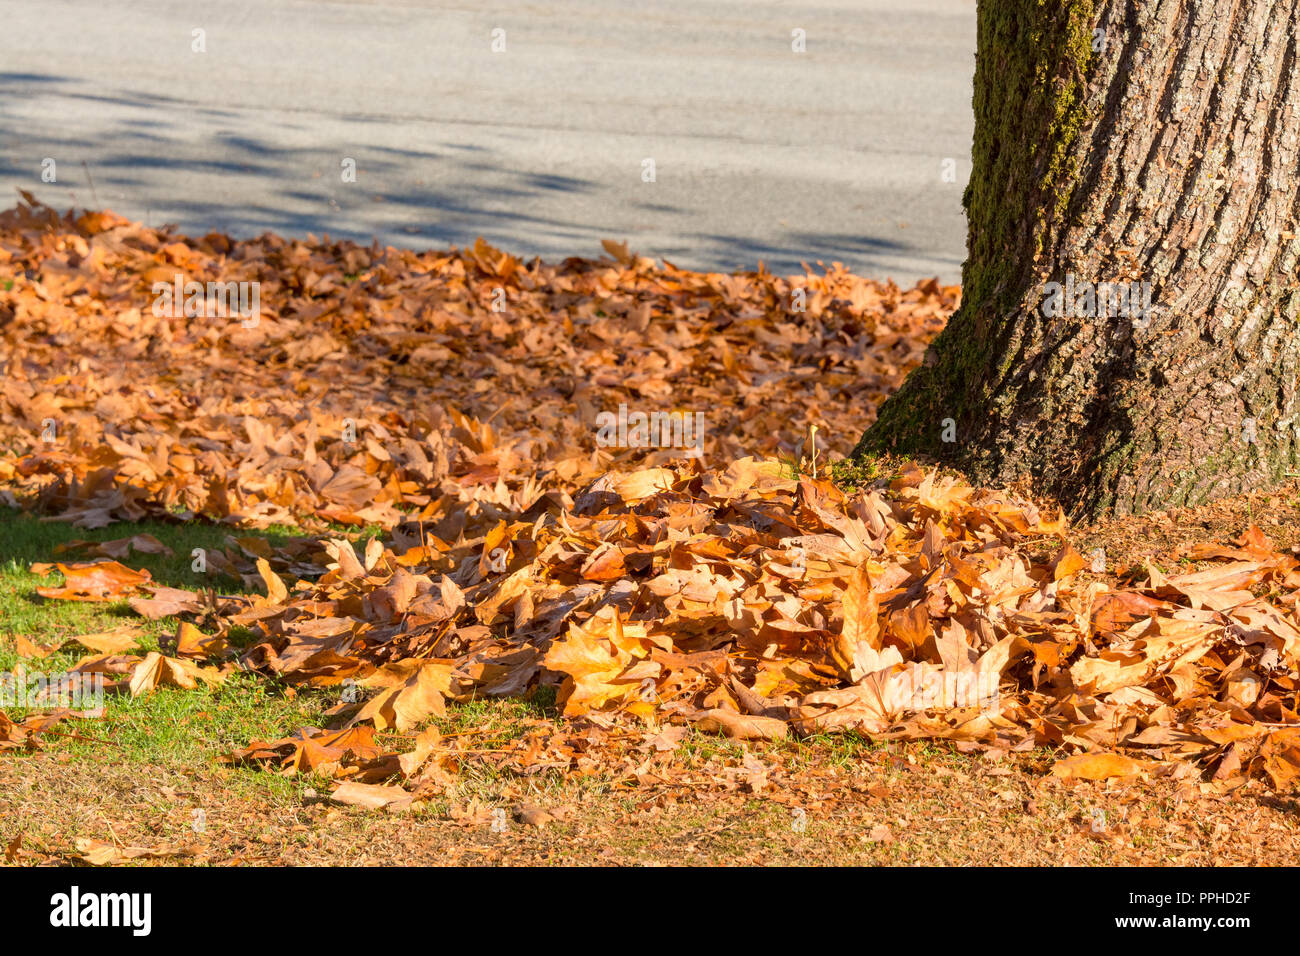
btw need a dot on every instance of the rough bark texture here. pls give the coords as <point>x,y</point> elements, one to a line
<point>1164,148</point>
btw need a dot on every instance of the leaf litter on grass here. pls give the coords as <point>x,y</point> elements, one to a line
<point>450,399</point>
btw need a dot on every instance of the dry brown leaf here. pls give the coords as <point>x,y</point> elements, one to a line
<point>742,726</point>
<point>856,649</point>
<point>276,592</point>
<point>373,796</point>
<point>191,642</point>
<point>101,853</point>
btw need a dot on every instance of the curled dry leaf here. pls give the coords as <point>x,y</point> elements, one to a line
<point>165,602</point>
<point>28,648</point>
<point>158,671</point>
<point>857,649</point>
<point>531,815</point>
<point>191,642</point>
<point>276,592</point>
<point>24,733</point>
<point>313,750</point>
<point>119,548</point>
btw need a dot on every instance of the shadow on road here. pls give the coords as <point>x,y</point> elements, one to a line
<point>413,197</point>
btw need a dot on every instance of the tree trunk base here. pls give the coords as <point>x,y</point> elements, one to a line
<point>1128,334</point>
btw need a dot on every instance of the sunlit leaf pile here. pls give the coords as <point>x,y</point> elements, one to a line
<point>450,399</point>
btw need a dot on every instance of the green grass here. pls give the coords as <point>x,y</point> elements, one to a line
<point>842,750</point>
<point>500,719</point>
<point>184,728</point>
<point>171,727</point>
<point>25,540</point>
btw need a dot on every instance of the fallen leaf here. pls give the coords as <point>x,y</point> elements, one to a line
<point>1096,766</point>
<point>372,796</point>
<point>98,581</point>
<point>742,727</point>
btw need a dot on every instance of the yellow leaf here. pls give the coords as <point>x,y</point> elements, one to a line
<point>856,649</point>
<point>158,671</point>
<point>115,641</point>
<point>1098,766</point>
<point>276,592</point>
<point>414,700</point>
<point>594,655</point>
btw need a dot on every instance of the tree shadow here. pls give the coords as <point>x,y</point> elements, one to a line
<point>435,191</point>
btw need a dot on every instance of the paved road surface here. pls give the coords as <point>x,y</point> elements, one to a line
<point>759,152</point>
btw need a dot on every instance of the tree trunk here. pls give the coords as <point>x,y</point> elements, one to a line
<point>1133,141</point>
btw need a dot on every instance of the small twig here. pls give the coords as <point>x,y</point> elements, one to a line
<point>113,833</point>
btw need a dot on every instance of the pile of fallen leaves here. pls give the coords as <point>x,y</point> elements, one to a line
<point>381,381</point>
<point>728,593</point>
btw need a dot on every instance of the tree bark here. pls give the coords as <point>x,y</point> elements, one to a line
<point>1152,141</point>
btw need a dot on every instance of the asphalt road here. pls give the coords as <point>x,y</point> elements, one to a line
<point>760,152</point>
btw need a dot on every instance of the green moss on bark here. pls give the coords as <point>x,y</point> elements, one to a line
<point>1030,109</point>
